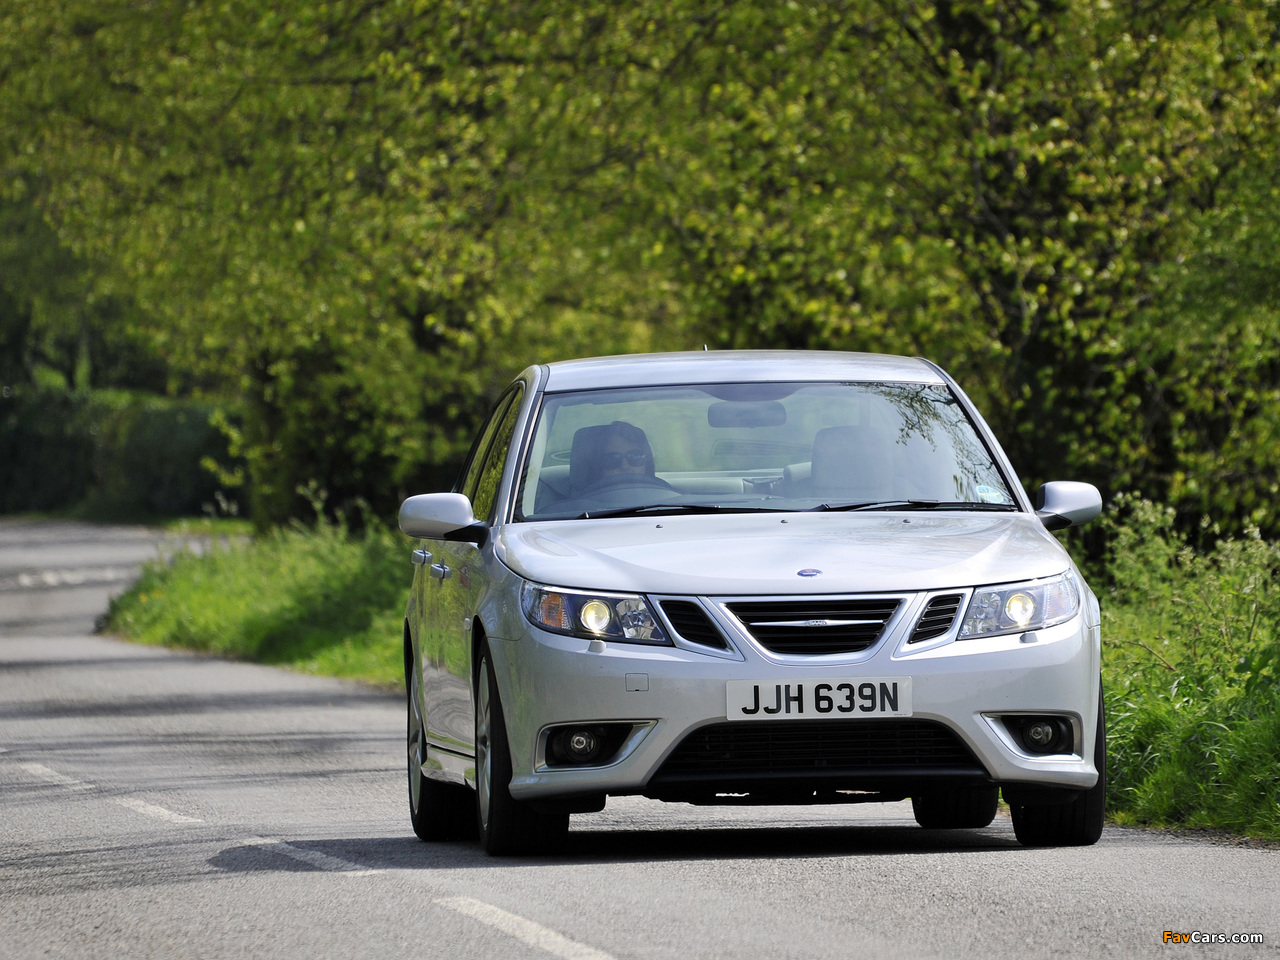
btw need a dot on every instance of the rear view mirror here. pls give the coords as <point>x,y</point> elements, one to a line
<point>747,413</point>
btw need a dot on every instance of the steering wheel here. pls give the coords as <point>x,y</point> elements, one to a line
<point>619,480</point>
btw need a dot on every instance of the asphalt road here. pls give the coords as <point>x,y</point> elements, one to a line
<point>160,804</point>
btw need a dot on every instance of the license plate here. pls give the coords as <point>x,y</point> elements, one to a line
<point>842,697</point>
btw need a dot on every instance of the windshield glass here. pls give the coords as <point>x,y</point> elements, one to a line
<point>755,446</point>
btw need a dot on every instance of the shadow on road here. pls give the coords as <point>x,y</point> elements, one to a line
<point>633,846</point>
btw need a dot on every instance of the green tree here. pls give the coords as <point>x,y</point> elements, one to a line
<point>997,185</point>
<point>57,328</point>
<point>1208,361</point>
<point>318,217</point>
<point>361,217</point>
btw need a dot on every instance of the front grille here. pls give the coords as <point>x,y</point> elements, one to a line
<point>937,618</point>
<point>692,623</point>
<point>815,626</point>
<point>829,749</point>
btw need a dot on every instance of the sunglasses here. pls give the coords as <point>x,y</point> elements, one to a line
<point>632,458</point>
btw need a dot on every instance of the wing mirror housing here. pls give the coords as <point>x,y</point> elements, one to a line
<point>442,516</point>
<point>1067,503</point>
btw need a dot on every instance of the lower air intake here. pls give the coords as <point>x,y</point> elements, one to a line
<point>826,749</point>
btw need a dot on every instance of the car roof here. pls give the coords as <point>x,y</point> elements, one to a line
<point>732,366</point>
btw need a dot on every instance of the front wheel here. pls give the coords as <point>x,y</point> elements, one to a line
<point>506,825</point>
<point>1076,823</point>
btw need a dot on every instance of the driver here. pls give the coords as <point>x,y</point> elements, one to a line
<point>610,454</point>
<point>625,451</point>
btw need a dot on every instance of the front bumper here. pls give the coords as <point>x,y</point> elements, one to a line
<point>965,688</point>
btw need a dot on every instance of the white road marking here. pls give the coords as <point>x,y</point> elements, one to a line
<point>321,861</point>
<point>151,810</point>
<point>80,577</point>
<point>535,935</point>
<point>315,858</point>
<point>49,775</point>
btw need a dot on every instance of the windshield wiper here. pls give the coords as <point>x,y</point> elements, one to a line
<point>660,509</point>
<point>869,505</point>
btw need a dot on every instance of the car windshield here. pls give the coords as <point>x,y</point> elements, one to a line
<point>755,446</point>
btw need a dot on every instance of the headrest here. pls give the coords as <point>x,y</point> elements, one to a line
<point>584,457</point>
<point>851,461</point>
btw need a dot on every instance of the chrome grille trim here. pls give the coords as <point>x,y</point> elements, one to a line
<point>814,626</point>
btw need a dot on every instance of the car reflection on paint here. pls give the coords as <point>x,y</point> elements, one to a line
<point>747,577</point>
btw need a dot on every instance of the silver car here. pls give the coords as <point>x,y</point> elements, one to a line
<point>747,578</point>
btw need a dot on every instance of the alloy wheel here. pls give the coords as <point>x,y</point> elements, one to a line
<point>415,738</point>
<point>484,761</point>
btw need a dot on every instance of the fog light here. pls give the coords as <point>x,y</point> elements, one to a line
<point>575,746</point>
<point>582,744</point>
<point>1042,735</point>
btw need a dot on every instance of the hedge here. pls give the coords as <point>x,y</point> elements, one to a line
<point>110,453</point>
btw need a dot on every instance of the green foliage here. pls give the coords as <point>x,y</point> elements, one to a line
<point>360,218</point>
<point>1210,362</point>
<point>46,452</point>
<point>56,329</point>
<point>322,207</point>
<point>312,598</point>
<point>109,453</point>
<point>1192,667</point>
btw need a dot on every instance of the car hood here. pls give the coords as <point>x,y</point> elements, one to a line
<point>782,553</point>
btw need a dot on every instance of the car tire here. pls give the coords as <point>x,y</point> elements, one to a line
<point>1076,823</point>
<point>957,808</point>
<point>506,825</point>
<point>438,811</point>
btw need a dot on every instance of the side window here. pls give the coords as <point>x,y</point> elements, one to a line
<point>489,476</point>
<point>475,459</point>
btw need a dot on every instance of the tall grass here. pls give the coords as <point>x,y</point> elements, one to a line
<point>1191,660</point>
<point>1190,652</point>
<point>315,599</point>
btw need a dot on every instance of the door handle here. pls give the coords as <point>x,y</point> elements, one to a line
<point>421,556</point>
<point>440,572</point>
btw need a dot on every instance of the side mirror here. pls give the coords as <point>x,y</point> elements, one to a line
<point>1067,503</point>
<point>441,516</point>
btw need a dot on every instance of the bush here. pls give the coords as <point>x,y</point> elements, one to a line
<point>108,453</point>
<point>1191,661</point>
<point>46,451</point>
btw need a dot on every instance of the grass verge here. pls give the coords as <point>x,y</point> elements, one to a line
<point>1191,660</point>
<point>314,599</point>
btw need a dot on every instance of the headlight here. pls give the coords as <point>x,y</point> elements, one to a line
<point>1016,607</point>
<point>623,617</point>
